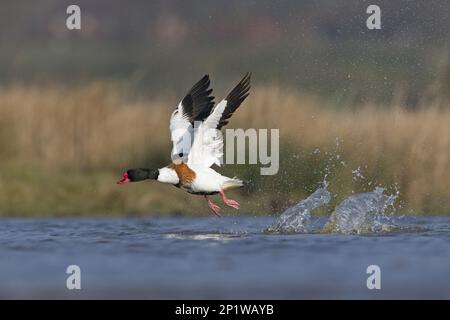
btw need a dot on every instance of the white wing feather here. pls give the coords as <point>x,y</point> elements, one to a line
<point>207,148</point>
<point>181,132</point>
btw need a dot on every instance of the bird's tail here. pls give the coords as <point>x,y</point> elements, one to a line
<point>232,184</point>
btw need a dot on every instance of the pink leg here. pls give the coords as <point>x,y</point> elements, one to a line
<point>214,207</point>
<point>229,202</point>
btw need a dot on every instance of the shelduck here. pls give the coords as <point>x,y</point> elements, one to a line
<point>195,127</point>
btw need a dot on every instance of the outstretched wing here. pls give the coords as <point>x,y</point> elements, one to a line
<point>235,98</point>
<point>195,106</point>
<point>207,148</point>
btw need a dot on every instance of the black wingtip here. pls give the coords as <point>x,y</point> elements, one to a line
<point>201,84</point>
<point>247,77</point>
<point>198,102</point>
<point>234,99</point>
<point>244,85</point>
<point>241,91</point>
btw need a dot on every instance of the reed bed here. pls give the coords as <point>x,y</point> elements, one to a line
<point>53,140</point>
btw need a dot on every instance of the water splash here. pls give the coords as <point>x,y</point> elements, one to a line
<point>358,214</point>
<point>362,213</point>
<point>357,174</point>
<point>297,218</point>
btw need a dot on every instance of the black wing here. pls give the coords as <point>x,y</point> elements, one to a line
<point>234,99</point>
<point>198,103</point>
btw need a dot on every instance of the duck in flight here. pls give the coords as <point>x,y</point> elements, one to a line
<point>195,127</point>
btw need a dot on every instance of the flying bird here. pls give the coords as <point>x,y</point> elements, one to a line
<point>195,127</point>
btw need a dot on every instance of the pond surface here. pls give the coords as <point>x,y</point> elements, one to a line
<point>214,258</point>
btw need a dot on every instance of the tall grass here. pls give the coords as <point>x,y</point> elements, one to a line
<point>55,139</point>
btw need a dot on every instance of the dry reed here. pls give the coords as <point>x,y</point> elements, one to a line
<point>97,127</point>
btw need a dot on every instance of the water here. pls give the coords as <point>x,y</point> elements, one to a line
<point>363,213</point>
<point>358,214</point>
<point>230,257</point>
<point>297,218</point>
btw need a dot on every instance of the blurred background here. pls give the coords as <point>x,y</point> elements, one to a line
<point>365,107</point>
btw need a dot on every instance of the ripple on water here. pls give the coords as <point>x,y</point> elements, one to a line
<point>204,236</point>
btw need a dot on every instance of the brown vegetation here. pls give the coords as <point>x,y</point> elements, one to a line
<point>98,130</point>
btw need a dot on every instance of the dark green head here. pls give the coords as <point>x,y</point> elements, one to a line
<point>140,174</point>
